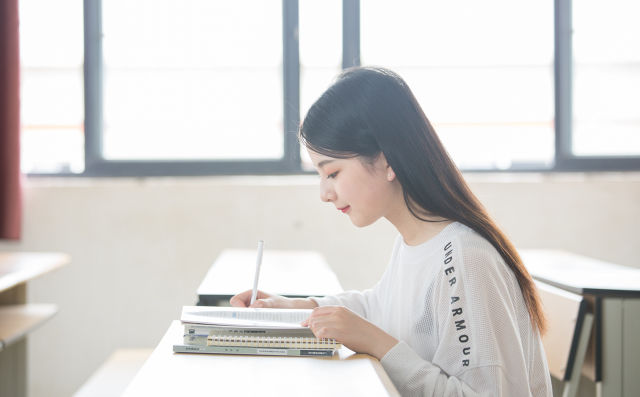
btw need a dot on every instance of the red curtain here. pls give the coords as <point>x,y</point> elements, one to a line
<point>10,196</point>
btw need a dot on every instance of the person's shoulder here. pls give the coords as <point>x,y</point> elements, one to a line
<point>476,254</point>
<point>481,269</point>
<point>471,244</point>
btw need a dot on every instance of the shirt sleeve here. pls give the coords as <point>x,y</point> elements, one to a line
<point>414,376</point>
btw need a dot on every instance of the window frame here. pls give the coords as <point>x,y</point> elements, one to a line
<point>563,83</point>
<point>96,165</point>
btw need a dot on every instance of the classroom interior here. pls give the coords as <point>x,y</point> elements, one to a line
<point>140,241</point>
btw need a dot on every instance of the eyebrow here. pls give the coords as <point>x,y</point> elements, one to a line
<point>324,162</point>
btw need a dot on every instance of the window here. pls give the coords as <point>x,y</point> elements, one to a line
<point>606,69</point>
<point>189,79</point>
<point>191,87</point>
<point>320,40</point>
<point>488,94</point>
<point>51,105</point>
<point>199,87</point>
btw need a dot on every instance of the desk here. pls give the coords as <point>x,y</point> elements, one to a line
<point>288,273</point>
<point>613,294</point>
<point>17,318</point>
<point>177,374</point>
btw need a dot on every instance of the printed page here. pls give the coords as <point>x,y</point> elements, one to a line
<point>245,317</point>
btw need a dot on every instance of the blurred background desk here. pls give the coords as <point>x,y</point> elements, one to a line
<point>288,273</point>
<point>612,293</point>
<point>17,317</point>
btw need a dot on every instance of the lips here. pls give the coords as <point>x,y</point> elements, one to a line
<point>344,209</point>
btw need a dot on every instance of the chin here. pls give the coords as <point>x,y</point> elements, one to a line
<point>362,222</point>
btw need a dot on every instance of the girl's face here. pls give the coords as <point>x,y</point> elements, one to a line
<point>362,190</point>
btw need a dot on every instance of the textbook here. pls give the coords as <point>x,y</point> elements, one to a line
<point>244,317</point>
<point>197,334</point>
<point>260,331</point>
<point>252,351</point>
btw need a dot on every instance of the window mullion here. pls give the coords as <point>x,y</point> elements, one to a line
<point>350,33</point>
<point>291,80</point>
<point>92,83</point>
<point>563,82</point>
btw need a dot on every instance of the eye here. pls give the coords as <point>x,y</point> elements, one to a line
<point>332,175</point>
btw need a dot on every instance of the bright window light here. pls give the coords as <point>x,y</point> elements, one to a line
<point>51,86</point>
<point>320,38</point>
<point>482,72</point>
<point>191,79</point>
<point>606,67</point>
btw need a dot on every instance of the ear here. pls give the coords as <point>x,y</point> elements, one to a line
<point>391,175</point>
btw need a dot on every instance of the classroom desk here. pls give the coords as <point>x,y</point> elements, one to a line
<point>287,273</point>
<point>613,295</point>
<point>178,374</point>
<point>17,317</point>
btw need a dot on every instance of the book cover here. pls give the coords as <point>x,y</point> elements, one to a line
<point>261,351</point>
<point>206,330</point>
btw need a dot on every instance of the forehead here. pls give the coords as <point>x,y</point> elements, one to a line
<point>318,159</point>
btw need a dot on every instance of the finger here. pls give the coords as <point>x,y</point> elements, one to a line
<point>244,296</point>
<point>237,301</point>
<point>263,303</point>
<point>323,331</point>
<point>324,311</point>
<point>262,295</point>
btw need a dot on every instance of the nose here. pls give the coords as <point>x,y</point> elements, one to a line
<point>326,192</point>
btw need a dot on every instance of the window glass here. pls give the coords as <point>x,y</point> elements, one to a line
<point>482,72</point>
<point>192,79</point>
<point>606,85</point>
<point>320,38</point>
<point>51,86</point>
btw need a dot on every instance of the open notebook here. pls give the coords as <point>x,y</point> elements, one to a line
<point>228,330</point>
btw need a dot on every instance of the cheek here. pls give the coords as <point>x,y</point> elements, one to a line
<point>345,190</point>
<point>370,204</point>
<point>374,194</point>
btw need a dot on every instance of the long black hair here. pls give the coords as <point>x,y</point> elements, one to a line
<point>371,110</point>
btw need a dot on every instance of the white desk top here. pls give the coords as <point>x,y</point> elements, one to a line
<point>581,274</point>
<point>177,374</point>
<point>291,273</point>
<point>20,267</point>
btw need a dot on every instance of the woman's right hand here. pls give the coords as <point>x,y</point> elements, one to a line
<point>264,299</point>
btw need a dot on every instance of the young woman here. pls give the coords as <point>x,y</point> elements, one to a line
<point>455,313</point>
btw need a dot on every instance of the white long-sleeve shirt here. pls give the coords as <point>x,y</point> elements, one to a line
<point>462,322</point>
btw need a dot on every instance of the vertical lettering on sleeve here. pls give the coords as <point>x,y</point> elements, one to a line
<point>457,312</point>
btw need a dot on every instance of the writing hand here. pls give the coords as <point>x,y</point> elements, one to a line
<point>348,328</point>
<point>243,299</point>
<point>265,299</point>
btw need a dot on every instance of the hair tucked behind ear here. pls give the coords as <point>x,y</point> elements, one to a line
<point>369,111</point>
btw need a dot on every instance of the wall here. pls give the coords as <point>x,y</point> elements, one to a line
<point>141,246</point>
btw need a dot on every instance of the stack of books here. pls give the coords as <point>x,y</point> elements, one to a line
<point>232,330</point>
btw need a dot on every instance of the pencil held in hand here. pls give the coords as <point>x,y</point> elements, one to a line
<point>254,293</point>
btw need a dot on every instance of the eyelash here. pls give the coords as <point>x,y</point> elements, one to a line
<point>332,175</point>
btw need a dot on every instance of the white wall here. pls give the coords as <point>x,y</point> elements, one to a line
<point>141,246</point>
